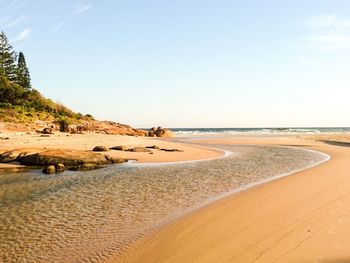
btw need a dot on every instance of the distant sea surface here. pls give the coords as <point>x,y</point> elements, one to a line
<point>185,132</point>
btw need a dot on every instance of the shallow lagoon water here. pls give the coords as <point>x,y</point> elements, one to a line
<point>91,216</point>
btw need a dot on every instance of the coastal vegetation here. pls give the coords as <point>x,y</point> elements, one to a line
<point>19,101</point>
<point>27,109</point>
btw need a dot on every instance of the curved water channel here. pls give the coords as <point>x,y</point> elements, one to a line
<point>90,216</point>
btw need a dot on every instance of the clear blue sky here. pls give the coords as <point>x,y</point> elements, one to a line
<point>252,63</point>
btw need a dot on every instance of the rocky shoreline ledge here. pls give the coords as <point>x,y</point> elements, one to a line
<point>58,160</point>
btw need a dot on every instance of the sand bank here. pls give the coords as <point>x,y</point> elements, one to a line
<point>86,142</point>
<point>300,218</point>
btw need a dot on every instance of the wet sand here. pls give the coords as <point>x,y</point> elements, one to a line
<point>304,217</point>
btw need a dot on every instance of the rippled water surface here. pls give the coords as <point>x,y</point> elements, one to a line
<point>90,216</point>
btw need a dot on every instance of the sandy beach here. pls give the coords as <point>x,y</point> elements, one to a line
<point>303,217</point>
<point>174,131</point>
<point>299,218</point>
<point>86,142</point>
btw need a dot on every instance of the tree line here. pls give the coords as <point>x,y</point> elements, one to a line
<point>13,66</point>
<point>18,100</point>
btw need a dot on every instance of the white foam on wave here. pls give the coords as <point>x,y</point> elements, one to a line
<point>262,131</point>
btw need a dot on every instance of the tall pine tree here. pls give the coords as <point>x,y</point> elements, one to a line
<point>23,76</point>
<point>8,57</point>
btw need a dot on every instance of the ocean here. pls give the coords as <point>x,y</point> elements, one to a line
<point>190,132</point>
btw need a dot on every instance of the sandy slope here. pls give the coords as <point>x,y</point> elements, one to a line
<point>300,218</point>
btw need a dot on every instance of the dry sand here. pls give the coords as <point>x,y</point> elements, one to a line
<point>300,218</point>
<point>33,142</point>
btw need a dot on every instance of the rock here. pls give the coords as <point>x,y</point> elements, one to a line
<point>47,130</point>
<point>151,134</point>
<point>60,168</point>
<point>100,148</point>
<point>153,147</point>
<point>21,155</point>
<point>171,150</point>
<point>139,149</point>
<point>120,148</point>
<point>66,157</point>
<point>163,133</point>
<point>7,157</point>
<point>64,126</point>
<point>49,169</point>
<point>83,128</point>
<point>113,159</point>
<point>85,167</point>
<point>160,132</point>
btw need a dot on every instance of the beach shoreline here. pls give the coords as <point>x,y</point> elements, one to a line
<point>173,151</point>
<point>259,222</point>
<point>209,234</point>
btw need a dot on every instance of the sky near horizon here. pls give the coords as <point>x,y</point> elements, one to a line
<point>187,63</point>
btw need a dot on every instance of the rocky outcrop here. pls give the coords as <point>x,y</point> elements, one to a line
<point>16,155</point>
<point>66,157</point>
<point>60,159</point>
<point>109,127</point>
<point>160,132</point>
<point>74,126</point>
